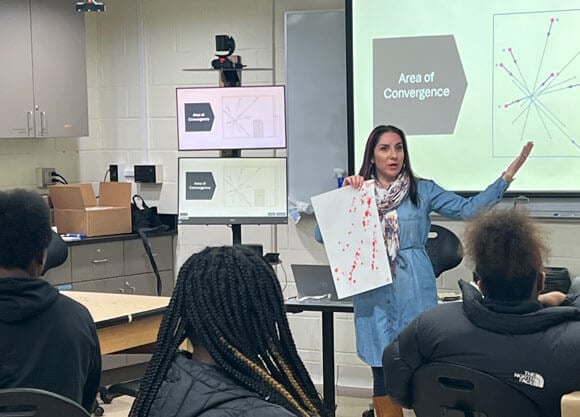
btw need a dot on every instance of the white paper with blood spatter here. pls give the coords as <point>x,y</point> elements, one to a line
<point>353,239</point>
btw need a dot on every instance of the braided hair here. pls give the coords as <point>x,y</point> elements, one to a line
<point>228,299</point>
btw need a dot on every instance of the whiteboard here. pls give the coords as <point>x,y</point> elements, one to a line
<point>315,101</point>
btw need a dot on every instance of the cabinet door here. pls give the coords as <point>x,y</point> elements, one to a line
<point>96,260</point>
<point>16,98</point>
<point>137,284</point>
<point>109,285</point>
<point>146,284</point>
<point>137,261</point>
<point>61,275</point>
<point>59,71</point>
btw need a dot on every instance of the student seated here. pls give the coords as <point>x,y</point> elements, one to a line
<point>47,340</point>
<point>504,330</point>
<point>228,302</point>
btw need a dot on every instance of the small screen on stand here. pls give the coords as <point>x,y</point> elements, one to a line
<point>231,118</point>
<point>232,191</point>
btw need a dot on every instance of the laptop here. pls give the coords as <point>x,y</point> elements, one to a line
<point>315,282</point>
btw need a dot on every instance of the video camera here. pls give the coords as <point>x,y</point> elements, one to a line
<point>225,47</point>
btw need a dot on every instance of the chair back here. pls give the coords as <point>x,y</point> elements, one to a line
<point>444,249</point>
<point>31,402</point>
<point>57,253</point>
<point>444,389</point>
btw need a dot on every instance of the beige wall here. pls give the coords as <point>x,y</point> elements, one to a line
<point>123,86</point>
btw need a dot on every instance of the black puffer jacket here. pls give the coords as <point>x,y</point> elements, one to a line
<point>536,350</point>
<point>194,389</point>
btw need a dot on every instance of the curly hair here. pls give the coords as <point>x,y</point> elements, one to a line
<point>228,299</point>
<point>508,250</point>
<point>25,228</point>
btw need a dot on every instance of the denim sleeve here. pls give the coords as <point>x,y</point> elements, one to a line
<point>456,207</point>
<point>318,235</point>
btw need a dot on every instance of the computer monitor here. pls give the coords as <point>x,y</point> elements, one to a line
<point>232,191</point>
<point>214,118</point>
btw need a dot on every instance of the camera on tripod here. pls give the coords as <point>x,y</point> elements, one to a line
<point>229,66</point>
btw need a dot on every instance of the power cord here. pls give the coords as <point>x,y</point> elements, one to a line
<point>56,177</point>
<point>285,277</point>
<point>274,260</point>
<point>107,172</point>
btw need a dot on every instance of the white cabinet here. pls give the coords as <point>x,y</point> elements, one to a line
<point>43,76</point>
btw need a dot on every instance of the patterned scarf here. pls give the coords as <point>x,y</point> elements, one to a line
<point>388,199</point>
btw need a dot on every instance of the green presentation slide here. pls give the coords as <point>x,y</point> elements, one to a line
<point>470,83</point>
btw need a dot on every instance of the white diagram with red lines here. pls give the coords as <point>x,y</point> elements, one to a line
<point>353,239</point>
<point>536,83</point>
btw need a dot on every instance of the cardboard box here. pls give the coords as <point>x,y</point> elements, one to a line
<point>76,209</point>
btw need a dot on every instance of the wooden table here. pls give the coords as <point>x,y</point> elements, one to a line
<point>571,404</point>
<point>123,321</point>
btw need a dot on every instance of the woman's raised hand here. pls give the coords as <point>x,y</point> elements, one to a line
<point>512,169</point>
<point>355,181</point>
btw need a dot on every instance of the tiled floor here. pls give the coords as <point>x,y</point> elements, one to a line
<point>346,407</point>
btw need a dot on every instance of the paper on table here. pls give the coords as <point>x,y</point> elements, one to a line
<point>353,239</point>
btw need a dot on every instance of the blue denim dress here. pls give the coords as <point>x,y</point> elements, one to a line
<point>380,314</point>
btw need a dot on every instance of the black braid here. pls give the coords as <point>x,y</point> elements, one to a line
<point>171,335</point>
<point>229,300</point>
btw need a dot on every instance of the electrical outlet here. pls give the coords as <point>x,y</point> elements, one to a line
<point>44,177</point>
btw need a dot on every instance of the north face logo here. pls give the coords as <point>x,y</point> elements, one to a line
<point>530,378</point>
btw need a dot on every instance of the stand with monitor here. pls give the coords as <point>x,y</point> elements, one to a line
<point>231,189</point>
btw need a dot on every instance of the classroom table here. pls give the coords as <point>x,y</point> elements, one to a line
<point>571,404</point>
<point>327,308</point>
<point>123,321</point>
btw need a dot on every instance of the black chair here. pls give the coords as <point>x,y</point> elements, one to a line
<point>444,249</point>
<point>445,252</point>
<point>557,279</point>
<point>57,253</point>
<point>130,388</point>
<point>444,389</point>
<point>31,402</point>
